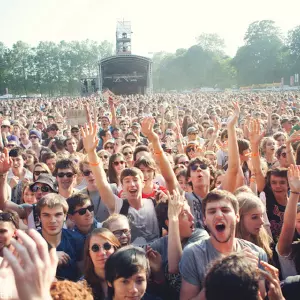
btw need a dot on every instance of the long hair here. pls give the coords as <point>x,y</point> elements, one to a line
<point>89,272</point>
<point>248,201</point>
<point>185,124</point>
<point>111,173</point>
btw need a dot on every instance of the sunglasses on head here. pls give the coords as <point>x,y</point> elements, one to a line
<point>7,217</point>
<point>43,188</point>
<point>87,172</point>
<point>38,173</point>
<point>201,166</point>
<point>62,174</point>
<point>82,211</point>
<point>130,140</point>
<point>96,248</point>
<point>116,163</point>
<point>127,153</point>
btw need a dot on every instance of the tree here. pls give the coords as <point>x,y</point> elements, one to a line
<point>211,42</point>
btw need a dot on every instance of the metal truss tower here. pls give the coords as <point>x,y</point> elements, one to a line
<point>123,37</point>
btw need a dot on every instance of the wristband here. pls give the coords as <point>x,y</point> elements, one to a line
<point>95,164</point>
<point>254,154</point>
<point>297,193</point>
<point>159,153</point>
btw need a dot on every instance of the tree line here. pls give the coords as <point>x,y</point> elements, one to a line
<point>56,69</point>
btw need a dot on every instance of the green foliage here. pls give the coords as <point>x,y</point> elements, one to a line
<point>50,69</point>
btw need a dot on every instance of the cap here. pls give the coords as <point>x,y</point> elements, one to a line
<point>284,120</point>
<point>192,130</point>
<point>136,124</point>
<point>5,123</point>
<point>52,127</point>
<point>36,132</point>
<point>46,179</point>
<point>13,138</point>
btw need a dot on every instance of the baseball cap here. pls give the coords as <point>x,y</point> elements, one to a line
<point>136,124</point>
<point>52,127</point>
<point>46,179</point>
<point>192,130</point>
<point>35,132</point>
<point>5,123</point>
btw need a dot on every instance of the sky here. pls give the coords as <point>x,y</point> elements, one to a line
<point>157,25</point>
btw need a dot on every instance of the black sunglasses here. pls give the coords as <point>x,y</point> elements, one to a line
<point>43,188</point>
<point>190,149</point>
<point>109,147</point>
<point>184,163</point>
<point>62,174</point>
<point>127,153</point>
<point>96,248</point>
<point>130,140</point>
<point>38,173</point>
<point>104,157</point>
<point>82,211</point>
<point>7,217</point>
<point>87,172</point>
<point>33,137</point>
<point>283,154</point>
<point>196,166</point>
<point>119,233</point>
<point>116,163</point>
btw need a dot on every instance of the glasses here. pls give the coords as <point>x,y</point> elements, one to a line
<point>116,163</point>
<point>190,149</point>
<point>10,145</point>
<point>119,233</point>
<point>127,153</point>
<point>205,118</point>
<point>184,163</point>
<point>7,217</point>
<point>193,133</point>
<point>130,140</point>
<point>38,173</point>
<point>82,211</point>
<point>104,157</point>
<point>96,248</point>
<point>75,131</point>
<point>109,147</point>
<point>62,174</point>
<point>275,118</point>
<point>201,166</point>
<point>283,154</point>
<point>33,137</point>
<point>43,188</point>
<point>87,172</point>
<point>169,133</point>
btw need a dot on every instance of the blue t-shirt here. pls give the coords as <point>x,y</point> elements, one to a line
<point>71,243</point>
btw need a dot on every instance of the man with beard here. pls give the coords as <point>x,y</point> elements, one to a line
<point>52,211</point>
<point>220,211</point>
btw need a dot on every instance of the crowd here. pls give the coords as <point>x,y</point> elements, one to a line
<point>163,196</point>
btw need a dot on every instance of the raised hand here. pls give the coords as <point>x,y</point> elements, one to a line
<point>175,205</point>
<point>235,116</point>
<point>89,137</point>
<point>5,162</point>
<point>155,260</point>
<point>294,137</point>
<point>255,134</point>
<point>294,178</point>
<point>147,128</point>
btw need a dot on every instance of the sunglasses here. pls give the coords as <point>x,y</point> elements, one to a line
<point>283,154</point>
<point>169,133</point>
<point>127,153</point>
<point>116,163</point>
<point>119,233</point>
<point>201,166</point>
<point>38,173</point>
<point>87,172</point>
<point>109,147</point>
<point>43,188</point>
<point>5,126</point>
<point>33,137</point>
<point>96,248</point>
<point>76,131</point>
<point>205,118</point>
<point>184,163</point>
<point>62,174</point>
<point>82,211</point>
<point>130,140</point>
<point>193,133</point>
<point>7,217</point>
<point>190,149</point>
<point>104,157</point>
<point>275,118</point>
<point>10,145</point>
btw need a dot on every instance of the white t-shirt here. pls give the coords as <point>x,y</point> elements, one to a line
<point>287,265</point>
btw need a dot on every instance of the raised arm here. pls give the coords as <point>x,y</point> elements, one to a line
<point>289,149</point>
<point>255,136</point>
<point>90,142</point>
<point>288,228</point>
<point>160,156</point>
<point>229,182</point>
<point>112,111</point>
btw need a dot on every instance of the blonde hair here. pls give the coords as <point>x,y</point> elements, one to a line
<point>112,218</point>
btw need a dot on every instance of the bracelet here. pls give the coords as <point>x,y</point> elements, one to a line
<point>254,154</point>
<point>297,193</point>
<point>95,164</point>
<point>158,153</point>
<point>253,180</point>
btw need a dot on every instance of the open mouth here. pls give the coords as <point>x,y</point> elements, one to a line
<point>220,227</point>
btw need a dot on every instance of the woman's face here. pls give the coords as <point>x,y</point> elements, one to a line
<point>29,196</point>
<point>148,174</point>
<point>183,183</point>
<point>119,165</point>
<point>105,158</point>
<point>270,146</point>
<point>133,287</point>
<point>128,154</point>
<point>37,171</point>
<point>219,180</point>
<point>99,257</point>
<point>109,147</point>
<point>131,140</point>
<point>280,140</point>
<point>191,152</point>
<point>253,221</point>
<point>29,160</point>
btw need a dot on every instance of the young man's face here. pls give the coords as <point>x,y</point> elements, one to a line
<point>120,228</point>
<point>66,178</point>
<point>199,175</point>
<point>186,222</point>
<point>51,164</point>
<point>17,162</point>
<point>132,186</point>
<point>124,126</point>
<point>71,146</point>
<point>7,232</point>
<point>52,220</point>
<point>34,139</point>
<point>83,216</point>
<point>221,219</point>
<point>23,135</point>
<point>40,190</point>
<point>279,185</point>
